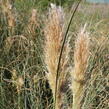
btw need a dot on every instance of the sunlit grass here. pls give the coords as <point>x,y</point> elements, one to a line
<point>23,82</point>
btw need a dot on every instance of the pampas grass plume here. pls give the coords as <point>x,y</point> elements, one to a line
<point>81,56</point>
<point>54,36</point>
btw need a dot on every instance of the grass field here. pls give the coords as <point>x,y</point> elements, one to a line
<point>31,37</point>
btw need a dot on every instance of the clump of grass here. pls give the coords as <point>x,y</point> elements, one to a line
<point>81,56</point>
<point>21,44</point>
<point>97,87</point>
<point>53,43</point>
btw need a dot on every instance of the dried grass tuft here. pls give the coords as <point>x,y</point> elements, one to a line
<point>54,36</point>
<point>9,15</point>
<point>33,25</point>
<point>81,56</point>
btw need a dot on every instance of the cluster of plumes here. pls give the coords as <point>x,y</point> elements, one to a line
<point>53,43</point>
<point>81,56</point>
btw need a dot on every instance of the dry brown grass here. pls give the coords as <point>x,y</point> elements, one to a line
<point>22,65</point>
